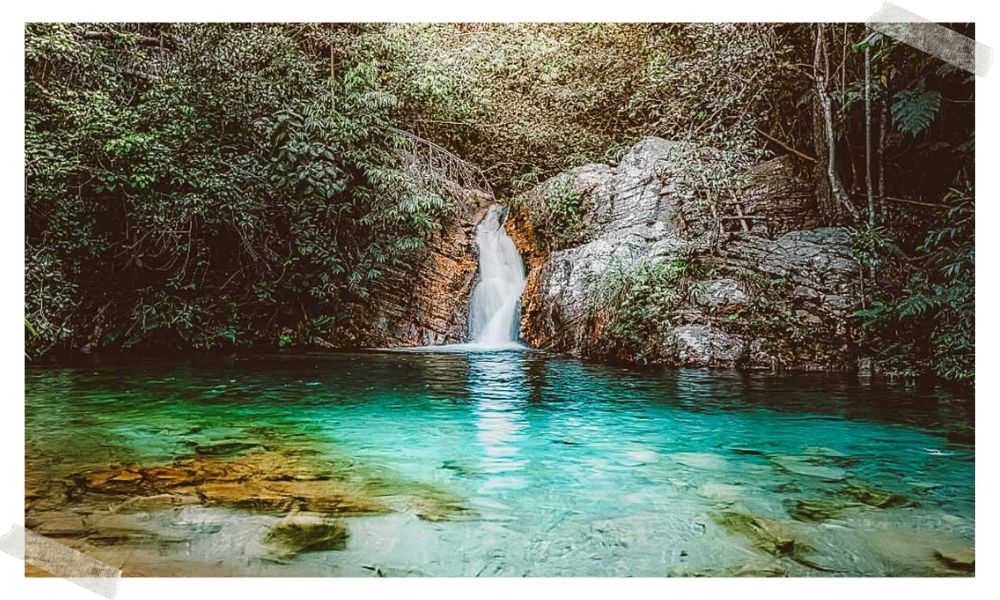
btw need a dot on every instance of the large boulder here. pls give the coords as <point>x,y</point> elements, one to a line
<point>630,215</point>
<point>766,294</point>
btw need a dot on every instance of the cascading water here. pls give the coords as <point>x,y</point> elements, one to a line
<point>494,309</point>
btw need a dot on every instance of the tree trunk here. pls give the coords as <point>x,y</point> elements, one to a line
<point>880,156</point>
<point>837,201</point>
<point>868,138</point>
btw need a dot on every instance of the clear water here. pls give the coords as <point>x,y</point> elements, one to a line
<point>570,468</point>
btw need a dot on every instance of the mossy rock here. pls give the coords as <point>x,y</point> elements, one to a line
<point>299,533</point>
<point>813,511</point>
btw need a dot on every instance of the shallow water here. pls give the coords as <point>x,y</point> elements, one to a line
<point>568,468</point>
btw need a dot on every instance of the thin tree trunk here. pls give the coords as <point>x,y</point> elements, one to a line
<point>880,156</point>
<point>868,138</point>
<point>837,192</point>
<point>333,72</point>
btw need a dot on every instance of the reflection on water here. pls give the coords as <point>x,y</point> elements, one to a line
<point>499,390</point>
<point>522,463</point>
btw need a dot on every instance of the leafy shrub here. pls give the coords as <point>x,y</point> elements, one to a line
<point>927,325</point>
<point>556,212</point>
<point>634,300</point>
<point>213,191</point>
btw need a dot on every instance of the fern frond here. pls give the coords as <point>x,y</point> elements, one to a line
<point>914,110</point>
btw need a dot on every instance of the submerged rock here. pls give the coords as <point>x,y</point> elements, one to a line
<point>753,568</point>
<point>302,532</point>
<point>875,497</point>
<point>960,559</point>
<point>264,482</point>
<point>769,535</point>
<point>391,571</point>
<point>57,524</point>
<point>813,510</point>
<point>804,466</point>
<point>701,460</point>
<point>226,448</point>
<point>756,568</point>
<point>721,492</point>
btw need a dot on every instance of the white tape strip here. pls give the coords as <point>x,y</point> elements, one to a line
<point>936,40</point>
<point>61,561</point>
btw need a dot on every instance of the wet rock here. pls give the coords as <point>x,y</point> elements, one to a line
<point>702,345</point>
<point>159,502</point>
<point>874,497</point>
<point>264,482</point>
<point>960,559</point>
<point>56,524</point>
<point>773,537</point>
<point>303,532</point>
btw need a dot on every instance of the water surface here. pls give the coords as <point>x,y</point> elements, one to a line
<point>565,467</point>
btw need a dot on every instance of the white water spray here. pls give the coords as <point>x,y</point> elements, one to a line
<point>495,306</point>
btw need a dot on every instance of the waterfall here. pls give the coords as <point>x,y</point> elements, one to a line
<point>495,306</point>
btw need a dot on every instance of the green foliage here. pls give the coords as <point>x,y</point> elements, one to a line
<point>228,184</point>
<point>207,193</point>
<point>556,212</point>
<point>634,300</point>
<point>869,244</point>
<point>927,325</point>
<point>914,110</point>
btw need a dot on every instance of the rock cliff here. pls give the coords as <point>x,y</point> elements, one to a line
<point>426,303</point>
<point>762,288</point>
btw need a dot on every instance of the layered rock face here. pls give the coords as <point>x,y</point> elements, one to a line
<point>769,291</point>
<point>427,303</point>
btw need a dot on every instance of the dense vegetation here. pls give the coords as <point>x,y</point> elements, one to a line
<point>203,186</point>
<point>198,186</point>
